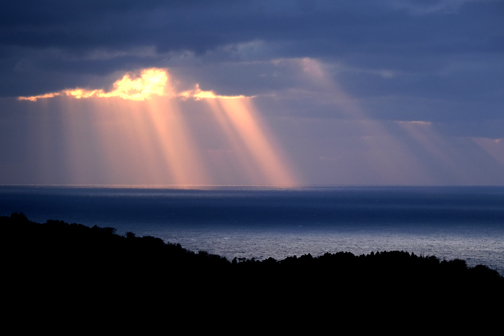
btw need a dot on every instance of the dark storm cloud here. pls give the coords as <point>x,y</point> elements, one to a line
<point>77,26</point>
<point>438,50</point>
<point>358,26</point>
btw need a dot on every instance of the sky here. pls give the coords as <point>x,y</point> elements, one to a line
<point>281,93</point>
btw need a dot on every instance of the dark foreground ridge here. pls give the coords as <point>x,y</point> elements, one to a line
<point>80,269</point>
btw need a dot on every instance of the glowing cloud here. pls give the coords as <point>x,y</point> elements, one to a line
<point>150,82</point>
<point>198,94</point>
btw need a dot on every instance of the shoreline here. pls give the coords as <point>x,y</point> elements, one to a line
<point>18,224</point>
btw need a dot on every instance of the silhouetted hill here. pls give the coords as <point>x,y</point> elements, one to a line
<point>80,269</point>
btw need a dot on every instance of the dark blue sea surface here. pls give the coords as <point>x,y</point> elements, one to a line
<point>449,222</point>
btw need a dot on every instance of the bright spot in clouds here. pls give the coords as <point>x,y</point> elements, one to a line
<point>150,82</point>
<point>198,94</point>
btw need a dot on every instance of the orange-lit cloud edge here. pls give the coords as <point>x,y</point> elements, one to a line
<point>260,160</point>
<point>151,82</point>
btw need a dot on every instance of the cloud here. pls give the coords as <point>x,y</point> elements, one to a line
<point>198,94</point>
<point>322,29</point>
<point>417,7</point>
<point>149,83</point>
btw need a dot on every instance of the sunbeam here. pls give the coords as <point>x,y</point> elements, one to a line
<point>139,133</point>
<point>494,147</point>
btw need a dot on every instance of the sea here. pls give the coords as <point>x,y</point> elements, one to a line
<point>242,222</point>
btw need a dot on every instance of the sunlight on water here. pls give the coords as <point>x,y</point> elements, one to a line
<point>465,223</point>
<point>476,246</point>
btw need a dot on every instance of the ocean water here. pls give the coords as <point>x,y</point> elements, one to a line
<point>448,222</point>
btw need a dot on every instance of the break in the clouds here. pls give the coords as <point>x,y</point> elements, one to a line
<point>355,92</point>
<point>148,83</point>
